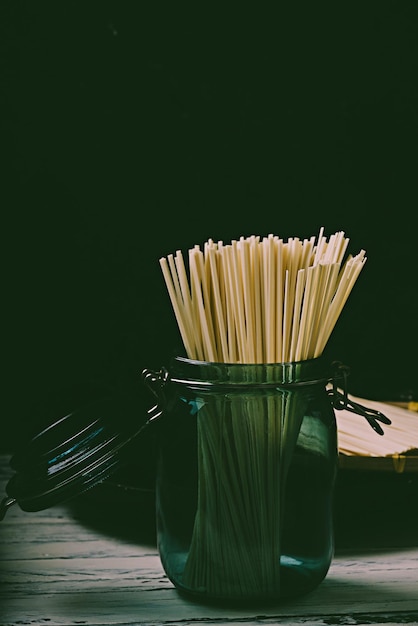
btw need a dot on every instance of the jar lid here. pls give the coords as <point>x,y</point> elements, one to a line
<point>75,452</point>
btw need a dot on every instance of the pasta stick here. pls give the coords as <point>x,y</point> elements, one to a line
<point>196,278</point>
<point>219,314</point>
<point>192,326</point>
<point>178,309</point>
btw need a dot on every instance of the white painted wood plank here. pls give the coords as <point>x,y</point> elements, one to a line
<point>55,545</point>
<point>107,604</point>
<point>396,569</point>
<point>53,575</point>
<point>91,594</point>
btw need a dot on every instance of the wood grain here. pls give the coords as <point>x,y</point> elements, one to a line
<point>58,568</point>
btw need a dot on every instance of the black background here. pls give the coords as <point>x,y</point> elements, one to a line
<point>132,129</point>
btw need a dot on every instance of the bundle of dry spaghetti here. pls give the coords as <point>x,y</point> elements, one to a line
<point>260,300</point>
<point>355,437</point>
<point>255,300</point>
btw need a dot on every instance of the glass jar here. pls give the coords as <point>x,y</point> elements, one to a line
<point>245,477</point>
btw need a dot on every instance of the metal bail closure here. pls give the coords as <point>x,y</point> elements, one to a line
<point>76,452</point>
<point>156,382</point>
<point>340,400</point>
<point>4,506</point>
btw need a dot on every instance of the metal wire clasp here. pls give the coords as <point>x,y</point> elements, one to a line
<point>5,504</point>
<point>340,399</point>
<point>156,382</point>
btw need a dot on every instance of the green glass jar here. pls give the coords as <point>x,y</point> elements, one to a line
<point>245,477</point>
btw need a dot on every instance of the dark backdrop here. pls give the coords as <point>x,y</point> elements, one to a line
<point>133,129</point>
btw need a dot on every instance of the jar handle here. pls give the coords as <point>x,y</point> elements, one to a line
<point>156,381</point>
<point>340,400</point>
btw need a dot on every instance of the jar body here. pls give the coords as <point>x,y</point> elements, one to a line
<point>245,477</point>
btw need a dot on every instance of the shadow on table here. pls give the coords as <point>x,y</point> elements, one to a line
<point>118,508</point>
<point>371,509</point>
<point>376,510</point>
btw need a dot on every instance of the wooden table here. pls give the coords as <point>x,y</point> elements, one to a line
<point>88,562</point>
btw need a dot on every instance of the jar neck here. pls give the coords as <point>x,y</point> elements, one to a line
<point>206,374</point>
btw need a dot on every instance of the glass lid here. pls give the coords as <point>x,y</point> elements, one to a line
<point>76,452</point>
